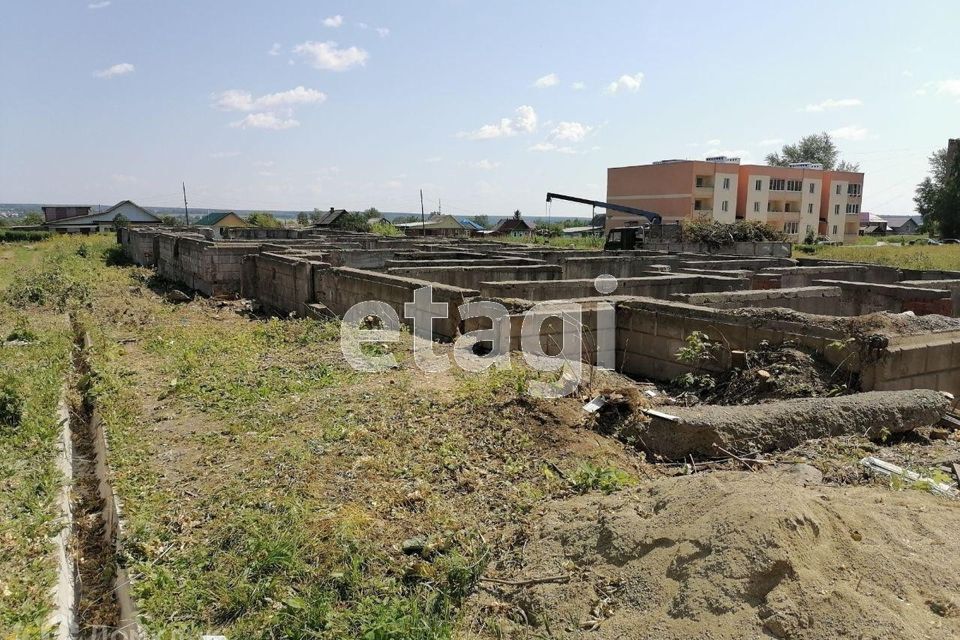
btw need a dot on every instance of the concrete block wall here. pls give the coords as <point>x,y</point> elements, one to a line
<point>471,277</point>
<point>651,332</point>
<point>652,286</point>
<point>773,249</point>
<point>931,361</point>
<point>792,277</point>
<point>861,298</point>
<point>139,245</point>
<point>953,286</point>
<point>282,284</point>
<point>213,269</point>
<point>339,288</point>
<point>819,300</point>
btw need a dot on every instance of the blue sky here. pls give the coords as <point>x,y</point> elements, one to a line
<point>295,105</point>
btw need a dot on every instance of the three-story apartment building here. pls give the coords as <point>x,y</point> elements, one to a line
<point>800,199</point>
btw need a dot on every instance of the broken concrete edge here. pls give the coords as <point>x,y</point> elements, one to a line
<point>712,431</point>
<point>128,627</point>
<point>62,620</point>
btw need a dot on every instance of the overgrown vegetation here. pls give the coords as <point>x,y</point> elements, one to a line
<point>938,196</point>
<point>921,256</point>
<point>717,234</point>
<point>20,235</point>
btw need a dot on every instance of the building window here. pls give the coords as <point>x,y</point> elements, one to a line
<point>723,206</point>
<point>838,189</point>
<point>699,181</point>
<point>853,189</point>
<point>812,186</point>
<point>756,207</point>
<point>758,185</point>
<point>836,209</point>
<point>794,185</point>
<point>777,184</point>
<point>809,207</point>
<point>834,229</point>
<point>726,184</point>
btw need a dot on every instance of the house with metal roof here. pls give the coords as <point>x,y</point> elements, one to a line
<point>87,222</point>
<point>902,224</point>
<point>219,220</point>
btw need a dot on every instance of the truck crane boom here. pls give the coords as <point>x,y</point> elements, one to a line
<point>654,218</point>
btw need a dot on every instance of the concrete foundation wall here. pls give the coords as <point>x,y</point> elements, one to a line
<point>471,277</point>
<point>930,361</point>
<point>339,288</point>
<point>282,284</point>
<point>653,286</point>
<point>774,249</point>
<point>953,286</point>
<point>861,298</point>
<point>820,300</point>
<point>212,269</point>
<point>792,277</point>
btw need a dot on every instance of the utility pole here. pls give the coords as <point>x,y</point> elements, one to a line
<point>439,206</point>
<point>423,218</point>
<point>186,213</point>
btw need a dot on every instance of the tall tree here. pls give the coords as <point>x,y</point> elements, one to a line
<point>817,147</point>
<point>303,218</point>
<point>938,196</point>
<point>482,219</point>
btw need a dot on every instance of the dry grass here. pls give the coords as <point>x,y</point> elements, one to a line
<point>945,257</point>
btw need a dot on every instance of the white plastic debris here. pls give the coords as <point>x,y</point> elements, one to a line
<point>594,405</point>
<point>651,393</point>
<point>888,469</point>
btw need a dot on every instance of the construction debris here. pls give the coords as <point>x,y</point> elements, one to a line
<point>709,430</point>
<point>890,470</point>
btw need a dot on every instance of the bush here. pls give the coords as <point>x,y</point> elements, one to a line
<point>21,332</point>
<point>385,229</point>
<point>18,235</point>
<point>11,402</point>
<point>718,234</point>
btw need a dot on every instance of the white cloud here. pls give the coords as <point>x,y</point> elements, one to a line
<point>713,143</point>
<point>121,69</point>
<point>363,25</point>
<point>274,50</point>
<point>830,104</point>
<point>524,122</point>
<point>265,121</point>
<point>433,159</point>
<point>578,86</point>
<point>123,178</point>
<point>383,32</point>
<point>770,142</point>
<point>236,100</point>
<point>217,155</point>
<point>549,80</point>
<point>730,153</point>
<point>99,5</point>
<point>625,83</point>
<point>549,146</point>
<point>333,21</point>
<point>393,184</point>
<point>949,87</point>
<point>571,131</point>
<point>485,165</point>
<point>326,55</point>
<point>851,132</point>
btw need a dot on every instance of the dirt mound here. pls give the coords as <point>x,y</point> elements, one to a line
<point>883,322</point>
<point>735,555</point>
<point>778,373</point>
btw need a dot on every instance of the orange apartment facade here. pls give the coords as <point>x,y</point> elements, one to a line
<point>797,199</point>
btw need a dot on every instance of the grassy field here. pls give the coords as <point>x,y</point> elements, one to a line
<point>35,350</point>
<point>270,491</point>
<point>944,257</point>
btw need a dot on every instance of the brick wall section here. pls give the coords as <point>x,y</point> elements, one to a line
<point>821,300</point>
<point>339,288</point>
<point>652,286</point>
<point>471,277</point>
<point>861,298</point>
<point>953,286</point>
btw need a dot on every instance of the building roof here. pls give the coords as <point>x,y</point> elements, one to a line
<point>470,224</point>
<point>329,217</point>
<point>587,229</point>
<point>513,224</point>
<point>102,216</point>
<point>895,221</point>
<point>213,218</point>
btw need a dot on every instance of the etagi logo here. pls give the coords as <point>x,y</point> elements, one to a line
<point>573,341</point>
